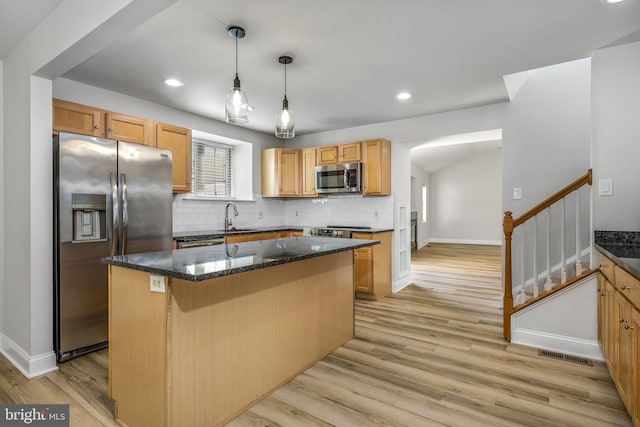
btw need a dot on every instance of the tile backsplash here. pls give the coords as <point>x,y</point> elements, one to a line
<point>351,210</point>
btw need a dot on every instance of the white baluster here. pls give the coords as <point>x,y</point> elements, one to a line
<point>548,284</point>
<point>578,246</point>
<point>535,253</point>
<point>563,256</point>
<point>522,279</point>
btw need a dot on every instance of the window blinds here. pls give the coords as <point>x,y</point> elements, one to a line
<point>211,169</point>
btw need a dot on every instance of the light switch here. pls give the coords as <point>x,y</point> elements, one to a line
<point>605,187</point>
<point>517,193</point>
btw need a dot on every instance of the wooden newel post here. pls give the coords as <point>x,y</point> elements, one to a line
<point>507,302</point>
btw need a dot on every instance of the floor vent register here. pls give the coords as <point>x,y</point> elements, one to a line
<point>565,357</point>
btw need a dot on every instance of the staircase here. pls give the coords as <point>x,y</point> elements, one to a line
<point>547,249</point>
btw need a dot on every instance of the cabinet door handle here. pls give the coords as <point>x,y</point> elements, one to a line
<point>627,326</point>
<point>96,126</point>
<point>622,320</point>
<point>624,288</point>
<point>109,129</point>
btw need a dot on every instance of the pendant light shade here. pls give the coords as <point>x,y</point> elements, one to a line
<point>237,103</point>
<point>285,120</point>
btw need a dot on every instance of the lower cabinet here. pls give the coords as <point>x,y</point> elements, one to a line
<point>252,237</point>
<point>618,332</point>
<point>372,266</point>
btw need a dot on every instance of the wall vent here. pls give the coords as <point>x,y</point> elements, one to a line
<point>565,357</point>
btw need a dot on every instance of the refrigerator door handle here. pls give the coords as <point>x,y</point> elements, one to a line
<point>125,213</point>
<point>112,233</point>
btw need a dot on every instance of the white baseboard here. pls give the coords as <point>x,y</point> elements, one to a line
<point>29,366</point>
<point>558,343</point>
<point>466,241</point>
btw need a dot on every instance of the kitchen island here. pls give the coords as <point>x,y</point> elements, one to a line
<point>196,336</point>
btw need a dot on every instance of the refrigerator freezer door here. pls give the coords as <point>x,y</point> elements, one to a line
<point>146,197</point>
<point>84,198</point>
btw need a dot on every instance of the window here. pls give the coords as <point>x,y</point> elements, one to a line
<point>424,203</point>
<point>211,169</point>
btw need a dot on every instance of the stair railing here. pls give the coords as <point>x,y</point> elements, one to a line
<point>541,212</point>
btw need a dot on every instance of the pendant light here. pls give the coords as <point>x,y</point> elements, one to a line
<point>285,121</point>
<point>237,103</point>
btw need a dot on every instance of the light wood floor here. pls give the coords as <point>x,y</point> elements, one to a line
<point>432,354</point>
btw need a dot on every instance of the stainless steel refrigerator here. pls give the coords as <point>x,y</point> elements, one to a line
<point>110,198</point>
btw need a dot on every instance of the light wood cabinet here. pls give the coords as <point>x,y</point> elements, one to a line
<point>622,349</point>
<point>618,326</point>
<point>129,129</point>
<point>309,172</point>
<point>267,235</point>
<point>327,155</point>
<point>281,172</point>
<point>376,167</point>
<point>349,153</point>
<point>372,266</point>
<point>178,140</point>
<point>344,153</point>
<point>635,357</point>
<point>363,270</point>
<point>77,118</point>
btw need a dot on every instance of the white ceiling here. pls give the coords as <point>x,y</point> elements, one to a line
<point>351,57</point>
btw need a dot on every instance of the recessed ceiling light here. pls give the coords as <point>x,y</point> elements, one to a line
<point>403,95</point>
<point>173,82</point>
<point>613,1</point>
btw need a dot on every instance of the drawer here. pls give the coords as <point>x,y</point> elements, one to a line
<point>628,285</point>
<point>606,266</point>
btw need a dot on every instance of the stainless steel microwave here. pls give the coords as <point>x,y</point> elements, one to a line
<point>339,178</point>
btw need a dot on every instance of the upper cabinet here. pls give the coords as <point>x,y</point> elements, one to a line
<point>327,155</point>
<point>76,118</point>
<point>291,172</point>
<point>281,172</point>
<point>309,172</point>
<point>129,129</point>
<point>86,120</point>
<point>376,167</point>
<point>345,153</point>
<point>178,140</point>
<point>349,153</point>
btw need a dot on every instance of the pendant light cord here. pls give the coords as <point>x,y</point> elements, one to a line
<point>236,37</point>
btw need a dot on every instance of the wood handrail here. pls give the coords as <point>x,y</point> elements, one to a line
<point>585,179</point>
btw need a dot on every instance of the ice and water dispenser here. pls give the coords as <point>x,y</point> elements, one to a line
<point>89,217</point>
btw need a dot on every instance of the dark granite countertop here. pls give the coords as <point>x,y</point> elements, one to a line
<point>203,263</point>
<point>214,234</point>
<point>623,247</point>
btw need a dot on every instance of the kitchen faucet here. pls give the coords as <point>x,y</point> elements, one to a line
<point>227,220</point>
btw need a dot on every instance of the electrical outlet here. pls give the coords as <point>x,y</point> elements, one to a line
<point>259,214</point>
<point>157,284</point>
<point>376,214</point>
<point>297,213</point>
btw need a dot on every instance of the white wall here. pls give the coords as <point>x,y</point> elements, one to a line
<point>465,201</point>
<point>2,239</point>
<point>554,326</point>
<point>420,177</point>
<point>616,136</point>
<point>547,134</point>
